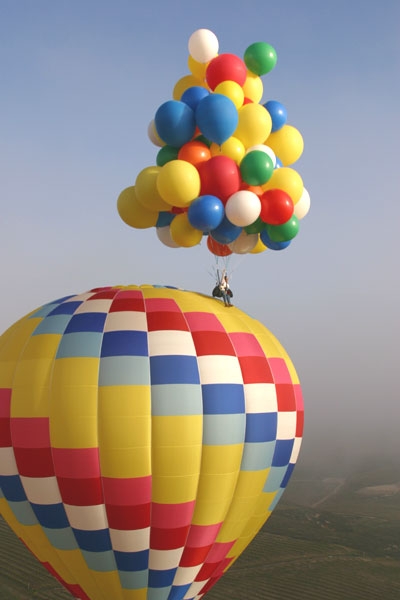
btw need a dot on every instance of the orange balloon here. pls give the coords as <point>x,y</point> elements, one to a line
<point>256,189</point>
<point>194,152</point>
<point>216,248</point>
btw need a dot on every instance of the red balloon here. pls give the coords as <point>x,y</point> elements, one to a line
<point>276,207</point>
<point>225,67</point>
<point>216,248</point>
<point>219,176</point>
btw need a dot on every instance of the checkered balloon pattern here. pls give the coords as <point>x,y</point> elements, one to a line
<point>146,435</point>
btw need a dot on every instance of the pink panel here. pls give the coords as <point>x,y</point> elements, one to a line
<point>203,535</point>
<point>203,321</point>
<point>171,515</point>
<point>246,344</point>
<point>299,396</point>
<point>161,304</point>
<point>80,463</point>
<point>219,551</point>
<point>279,370</point>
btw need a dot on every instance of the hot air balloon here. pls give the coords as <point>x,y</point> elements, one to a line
<point>146,435</point>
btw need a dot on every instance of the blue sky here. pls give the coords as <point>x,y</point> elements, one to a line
<point>81,80</point>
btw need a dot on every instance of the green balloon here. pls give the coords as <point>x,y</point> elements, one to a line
<point>260,58</point>
<point>256,167</point>
<point>285,232</point>
<point>257,227</point>
<point>203,139</point>
<point>166,154</point>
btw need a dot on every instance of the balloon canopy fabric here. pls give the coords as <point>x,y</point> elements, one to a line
<point>146,434</point>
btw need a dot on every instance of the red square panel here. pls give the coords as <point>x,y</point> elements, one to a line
<point>76,462</point>
<point>194,556</point>
<point>5,402</point>
<point>127,304</point>
<point>106,294</point>
<point>286,397</point>
<point>80,492</point>
<point>212,342</point>
<point>30,432</point>
<point>300,423</point>
<point>127,491</point>
<point>163,320</point>
<point>128,517</point>
<point>168,539</point>
<point>255,369</point>
<point>207,571</point>
<point>5,434</point>
<point>34,462</point>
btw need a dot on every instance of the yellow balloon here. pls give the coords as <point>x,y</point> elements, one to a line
<point>146,189</point>
<point>232,147</point>
<point>287,143</point>
<point>288,180</point>
<point>259,247</point>
<point>132,212</point>
<point>253,88</point>
<point>197,69</point>
<point>183,84</point>
<point>178,183</point>
<point>254,124</point>
<point>231,90</point>
<point>183,234</point>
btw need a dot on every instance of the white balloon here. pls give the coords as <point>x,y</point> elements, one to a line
<point>153,135</point>
<point>164,235</point>
<point>302,207</point>
<point>244,243</point>
<point>203,45</point>
<point>243,208</point>
<point>266,149</point>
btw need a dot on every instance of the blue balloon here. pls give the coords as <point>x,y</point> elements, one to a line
<point>278,114</point>
<point>206,213</point>
<point>193,95</point>
<point>278,164</point>
<point>216,117</point>
<point>175,123</point>
<point>164,218</point>
<point>226,232</point>
<point>266,240</point>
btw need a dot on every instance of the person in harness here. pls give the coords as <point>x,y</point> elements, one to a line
<point>223,290</point>
<point>226,291</point>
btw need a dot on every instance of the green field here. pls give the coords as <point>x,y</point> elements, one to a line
<point>332,538</point>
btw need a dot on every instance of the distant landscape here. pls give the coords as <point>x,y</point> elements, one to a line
<point>334,536</point>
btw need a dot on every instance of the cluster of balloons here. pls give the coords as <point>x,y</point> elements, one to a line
<point>224,167</point>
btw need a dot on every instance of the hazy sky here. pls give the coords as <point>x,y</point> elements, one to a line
<point>81,80</point>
